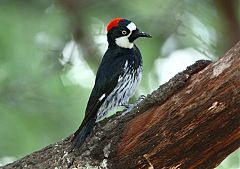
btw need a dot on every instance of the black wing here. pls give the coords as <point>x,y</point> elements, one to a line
<point>106,80</point>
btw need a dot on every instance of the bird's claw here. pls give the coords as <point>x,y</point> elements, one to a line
<point>130,107</point>
<point>140,98</point>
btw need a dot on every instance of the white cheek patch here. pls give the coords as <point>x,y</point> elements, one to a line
<point>131,26</point>
<point>124,42</point>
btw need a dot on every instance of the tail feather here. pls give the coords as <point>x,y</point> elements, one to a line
<point>81,134</point>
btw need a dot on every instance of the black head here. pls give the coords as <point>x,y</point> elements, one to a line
<point>123,32</point>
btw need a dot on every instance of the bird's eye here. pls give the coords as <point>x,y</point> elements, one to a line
<point>124,32</point>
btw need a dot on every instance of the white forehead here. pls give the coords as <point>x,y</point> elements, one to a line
<point>131,26</point>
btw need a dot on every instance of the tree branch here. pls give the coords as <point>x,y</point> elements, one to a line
<point>74,10</point>
<point>192,121</point>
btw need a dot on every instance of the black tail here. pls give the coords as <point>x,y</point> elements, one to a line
<point>81,134</point>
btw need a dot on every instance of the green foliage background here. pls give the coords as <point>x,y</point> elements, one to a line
<point>36,109</point>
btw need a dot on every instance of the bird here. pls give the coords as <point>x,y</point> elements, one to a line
<point>117,77</point>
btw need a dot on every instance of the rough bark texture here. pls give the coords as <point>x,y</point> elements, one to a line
<point>192,121</point>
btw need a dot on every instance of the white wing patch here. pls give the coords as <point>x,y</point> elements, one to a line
<point>102,97</point>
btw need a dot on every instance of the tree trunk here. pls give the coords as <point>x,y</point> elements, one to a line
<point>192,121</point>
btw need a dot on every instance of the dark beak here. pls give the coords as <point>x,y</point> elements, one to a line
<point>144,34</point>
<point>136,34</point>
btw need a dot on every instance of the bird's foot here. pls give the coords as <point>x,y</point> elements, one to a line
<point>130,107</point>
<point>140,98</point>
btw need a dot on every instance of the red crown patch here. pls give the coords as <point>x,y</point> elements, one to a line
<point>113,23</point>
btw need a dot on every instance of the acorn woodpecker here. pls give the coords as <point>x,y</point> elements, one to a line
<point>117,77</point>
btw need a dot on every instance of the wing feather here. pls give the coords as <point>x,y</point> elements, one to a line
<point>106,80</point>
